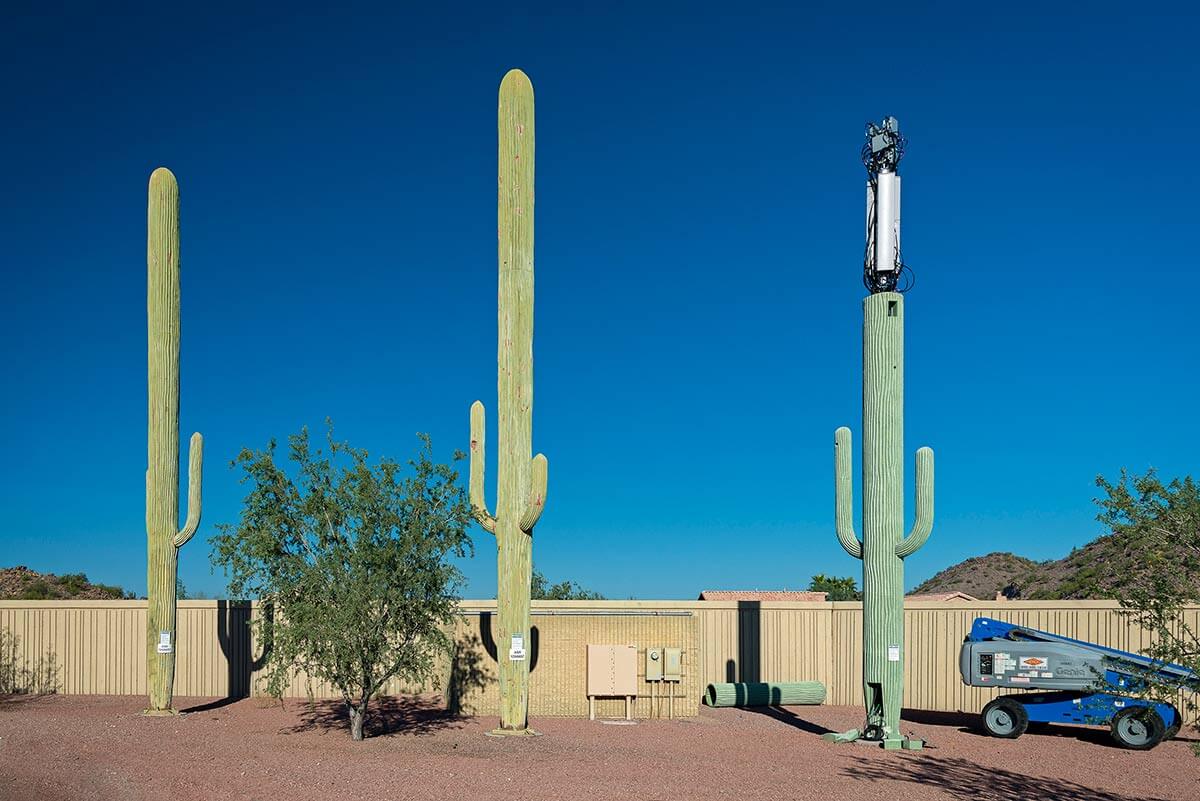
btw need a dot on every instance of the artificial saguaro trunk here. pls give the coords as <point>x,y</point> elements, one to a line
<point>521,486</point>
<point>163,537</point>
<point>884,545</point>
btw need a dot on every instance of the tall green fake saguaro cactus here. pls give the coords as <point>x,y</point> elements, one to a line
<point>163,538</point>
<point>521,486</point>
<point>884,545</point>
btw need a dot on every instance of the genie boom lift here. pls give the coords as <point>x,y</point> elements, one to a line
<point>1086,684</point>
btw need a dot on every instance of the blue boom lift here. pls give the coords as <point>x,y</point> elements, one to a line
<point>1087,684</point>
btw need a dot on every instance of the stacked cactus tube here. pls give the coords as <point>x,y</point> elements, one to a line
<point>521,485</point>
<point>163,536</point>
<point>884,545</point>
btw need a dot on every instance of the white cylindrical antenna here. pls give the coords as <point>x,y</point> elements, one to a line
<point>886,222</point>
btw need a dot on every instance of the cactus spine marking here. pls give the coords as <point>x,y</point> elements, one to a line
<point>164,539</point>
<point>884,545</point>
<point>521,486</point>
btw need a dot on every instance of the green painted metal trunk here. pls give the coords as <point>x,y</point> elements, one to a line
<point>884,544</point>
<point>521,486</point>
<point>163,538</point>
<point>765,693</point>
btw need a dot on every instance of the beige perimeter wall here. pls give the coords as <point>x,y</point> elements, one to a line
<point>99,647</point>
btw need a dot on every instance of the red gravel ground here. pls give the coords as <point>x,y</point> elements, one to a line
<point>55,748</point>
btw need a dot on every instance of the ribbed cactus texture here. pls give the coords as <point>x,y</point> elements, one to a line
<point>163,537</point>
<point>884,545</point>
<point>521,485</point>
<point>764,693</point>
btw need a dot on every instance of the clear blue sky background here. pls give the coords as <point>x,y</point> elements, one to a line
<point>699,243</point>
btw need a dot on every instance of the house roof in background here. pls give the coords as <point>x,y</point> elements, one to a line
<point>761,595</point>
<point>941,596</point>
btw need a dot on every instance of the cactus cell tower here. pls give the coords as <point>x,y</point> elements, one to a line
<point>884,545</point>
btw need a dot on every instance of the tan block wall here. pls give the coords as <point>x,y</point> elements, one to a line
<point>99,647</point>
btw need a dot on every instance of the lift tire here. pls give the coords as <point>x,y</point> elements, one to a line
<point>1005,717</point>
<point>1138,728</point>
<point>1173,729</point>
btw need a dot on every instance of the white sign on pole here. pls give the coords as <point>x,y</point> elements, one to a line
<point>893,653</point>
<point>164,642</point>
<point>516,651</point>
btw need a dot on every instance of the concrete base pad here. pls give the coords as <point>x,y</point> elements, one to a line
<point>513,733</point>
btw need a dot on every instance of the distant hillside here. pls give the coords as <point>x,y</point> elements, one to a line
<point>980,576</point>
<point>1101,569</point>
<point>22,584</point>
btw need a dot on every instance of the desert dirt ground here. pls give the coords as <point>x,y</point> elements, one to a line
<point>54,748</point>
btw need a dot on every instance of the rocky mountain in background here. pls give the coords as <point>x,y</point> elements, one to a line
<point>1099,570</point>
<point>22,584</point>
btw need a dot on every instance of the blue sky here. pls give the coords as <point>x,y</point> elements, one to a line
<point>699,245</point>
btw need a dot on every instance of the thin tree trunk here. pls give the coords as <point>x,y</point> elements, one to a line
<point>357,714</point>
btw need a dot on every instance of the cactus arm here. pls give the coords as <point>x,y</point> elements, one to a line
<point>844,491</point>
<point>538,472</point>
<point>195,476</point>
<point>478,443</point>
<point>923,522</point>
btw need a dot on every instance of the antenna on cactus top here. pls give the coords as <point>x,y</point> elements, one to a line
<point>883,265</point>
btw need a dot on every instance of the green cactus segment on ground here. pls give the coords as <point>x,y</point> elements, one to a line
<point>163,537</point>
<point>521,485</point>
<point>884,545</point>
<point>764,693</point>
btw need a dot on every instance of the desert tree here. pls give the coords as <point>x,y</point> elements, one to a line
<point>540,589</point>
<point>844,588</point>
<point>1161,524</point>
<point>355,559</point>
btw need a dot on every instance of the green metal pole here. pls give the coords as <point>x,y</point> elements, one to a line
<point>163,539</point>
<point>521,485</point>
<point>884,544</point>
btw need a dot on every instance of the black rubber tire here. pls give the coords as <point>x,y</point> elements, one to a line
<point>1005,717</point>
<point>1174,728</point>
<point>1138,728</point>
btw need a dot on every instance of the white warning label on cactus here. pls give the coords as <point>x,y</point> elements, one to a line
<point>164,642</point>
<point>893,653</point>
<point>516,651</point>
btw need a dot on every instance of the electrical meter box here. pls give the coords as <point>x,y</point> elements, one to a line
<point>672,664</point>
<point>654,664</point>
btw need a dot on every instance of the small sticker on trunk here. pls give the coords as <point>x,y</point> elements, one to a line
<point>893,653</point>
<point>164,642</point>
<point>516,651</point>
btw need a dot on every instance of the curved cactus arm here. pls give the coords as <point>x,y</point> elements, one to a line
<point>923,523</point>
<point>478,457</point>
<point>844,486</point>
<point>195,476</point>
<point>538,472</point>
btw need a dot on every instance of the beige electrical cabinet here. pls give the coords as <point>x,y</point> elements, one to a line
<point>611,671</point>
<point>672,669</point>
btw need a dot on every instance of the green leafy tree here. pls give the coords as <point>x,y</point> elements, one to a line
<point>836,589</point>
<point>355,560</point>
<point>1164,519</point>
<point>542,590</point>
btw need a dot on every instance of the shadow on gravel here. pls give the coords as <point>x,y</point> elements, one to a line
<point>387,716</point>
<point>787,716</point>
<point>961,778</point>
<point>970,724</point>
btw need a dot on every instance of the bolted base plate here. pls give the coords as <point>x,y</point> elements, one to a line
<point>513,733</point>
<point>159,713</point>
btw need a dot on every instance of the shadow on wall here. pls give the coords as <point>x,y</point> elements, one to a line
<point>468,674</point>
<point>233,635</point>
<point>963,779</point>
<point>489,640</point>
<point>748,665</point>
<point>386,715</point>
